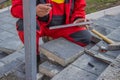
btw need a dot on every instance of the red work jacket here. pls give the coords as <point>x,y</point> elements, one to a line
<point>73,9</point>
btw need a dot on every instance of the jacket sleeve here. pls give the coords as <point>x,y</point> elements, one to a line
<point>79,10</point>
<point>17,9</point>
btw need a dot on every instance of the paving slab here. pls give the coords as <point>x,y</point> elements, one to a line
<point>12,63</point>
<point>103,30</point>
<point>5,13</point>
<point>100,56</point>
<point>95,39</point>
<point>107,23</point>
<point>115,36</point>
<point>4,35</point>
<point>39,76</point>
<point>13,21</point>
<point>113,17</point>
<point>12,57</point>
<point>111,54</point>
<point>13,30</point>
<point>22,50</point>
<point>90,64</point>
<point>1,64</point>
<point>6,26</point>
<point>74,73</point>
<point>2,55</point>
<point>1,22</point>
<point>61,51</point>
<point>18,76</point>
<point>7,19</point>
<point>50,69</point>
<point>112,72</point>
<point>12,43</point>
<point>13,76</point>
<point>10,67</point>
<point>0,41</point>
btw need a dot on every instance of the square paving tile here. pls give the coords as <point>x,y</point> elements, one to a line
<point>90,64</point>
<point>61,50</point>
<point>4,35</point>
<point>12,43</point>
<point>6,26</point>
<point>74,73</point>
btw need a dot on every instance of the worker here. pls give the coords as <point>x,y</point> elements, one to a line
<point>51,13</point>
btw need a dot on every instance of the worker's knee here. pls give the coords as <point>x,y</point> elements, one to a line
<point>82,36</point>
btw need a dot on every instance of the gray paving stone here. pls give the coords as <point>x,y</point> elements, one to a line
<point>100,56</point>
<point>12,62</point>
<point>111,54</point>
<point>18,76</point>
<point>4,35</point>
<point>1,22</point>
<point>0,41</point>
<point>12,57</point>
<point>1,32</point>
<point>107,23</point>
<point>95,38</point>
<point>103,30</point>
<point>61,51</point>
<point>39,76</point>
<point>13,21</point>
<point>1,64</point>
<point>90,64</point>
<point>74,73</point>
<point>13,30</point>
<point>21,68</point>
<point>2,55</point>
<point>96,47</point>
<point>5,13</point>
<point>112,72</point>
<point>7,19</point>
<point>1,15</point>
<point>12,43</point>
<point>14,76</point>
<point>22,50</point>
<point>9,67</point>
<point>50,69</point>
<point>6,50</point>
<point>6,26</point>
<point>113,17</point>
<point>115,36</point>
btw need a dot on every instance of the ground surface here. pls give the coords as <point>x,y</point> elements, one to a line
<point>8,28</point>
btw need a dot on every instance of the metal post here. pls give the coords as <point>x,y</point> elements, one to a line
<point>30,38</point>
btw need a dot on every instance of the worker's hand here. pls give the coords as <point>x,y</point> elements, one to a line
<point>80,20</point>
<point>43,9</point>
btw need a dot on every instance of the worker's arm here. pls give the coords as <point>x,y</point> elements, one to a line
<point>79,10</point>
<point>17,9</point>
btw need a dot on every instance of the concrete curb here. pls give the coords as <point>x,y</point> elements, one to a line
<point>109,11</point>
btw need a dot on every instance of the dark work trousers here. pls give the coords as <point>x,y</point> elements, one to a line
<point>78,35</point>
